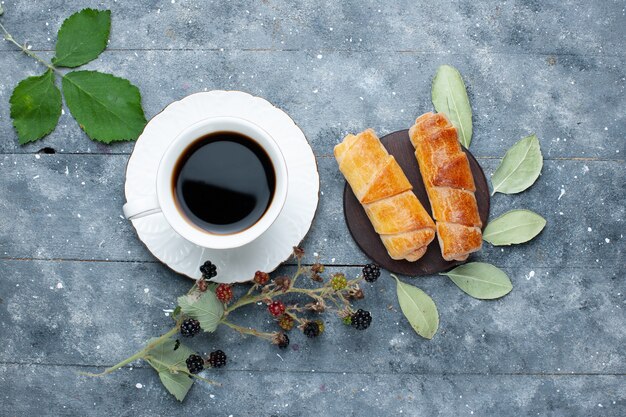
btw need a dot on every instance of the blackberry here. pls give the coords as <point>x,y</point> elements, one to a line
<point>371,272</point>
<point>282,340</point>
<point>311,329</point>
<point>208,270</point>
<point>338,282</point>
<point>361,320</point>
<point>261,278</point>
<point>195,364</point>
<point>217,359</point>
<point>286,322</point>
<point>190,328</point>
<point>224,293</point>
<point>276,308</point>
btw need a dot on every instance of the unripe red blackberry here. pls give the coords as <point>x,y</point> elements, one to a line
<point>224,292</point>
<point>261,278</point>
<point>276,308</point>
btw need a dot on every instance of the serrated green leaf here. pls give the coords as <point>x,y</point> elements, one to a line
<point>519,168</point>
<point>82,37</point>
<point>449,96</point>
<point>205,308</point>
<point>35,107</point>
<point>106,107</point>
<point>481,280</point>
<point>515,226</point>
<point>164,359</point>
<point>178,384</point>
<point>418,308</point>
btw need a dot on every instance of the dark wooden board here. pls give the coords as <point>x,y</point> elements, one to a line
<point>399,145</point>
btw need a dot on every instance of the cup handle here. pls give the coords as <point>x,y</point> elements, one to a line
<point>141,207</point>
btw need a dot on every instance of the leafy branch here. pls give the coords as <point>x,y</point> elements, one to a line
<point>206,306</point>
<point>106,107</point>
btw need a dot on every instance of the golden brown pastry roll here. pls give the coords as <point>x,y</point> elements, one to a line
<point>378,182</point>
<point>450,185</point>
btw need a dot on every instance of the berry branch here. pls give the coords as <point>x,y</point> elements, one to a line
<point>208,305</point>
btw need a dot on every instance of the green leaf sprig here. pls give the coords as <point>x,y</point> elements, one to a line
<point>202,303</point>
<point>106,107</point>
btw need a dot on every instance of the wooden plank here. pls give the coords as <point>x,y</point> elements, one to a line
<point>545,27</point>
<point>573,103</point>
<point>558,320</point>
<point>69,207</point>
<point>263,393</point>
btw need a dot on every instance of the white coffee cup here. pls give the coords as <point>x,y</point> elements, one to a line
<point>164,199</point>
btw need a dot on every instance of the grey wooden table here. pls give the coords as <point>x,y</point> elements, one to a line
<point>79,292</point>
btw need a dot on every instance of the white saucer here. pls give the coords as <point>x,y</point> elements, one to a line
<point>274,246</point>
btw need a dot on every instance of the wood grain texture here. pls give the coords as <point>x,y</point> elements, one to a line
<point>554,346</point>
<point>513,95</point>
<point>70,207</point>
<point>360,227</point>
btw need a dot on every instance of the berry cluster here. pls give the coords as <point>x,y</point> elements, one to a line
<point>190,328</point>
<point>208,270</point>
<point>224,293</point>
<point>276,308</point>
<point>334,294</point>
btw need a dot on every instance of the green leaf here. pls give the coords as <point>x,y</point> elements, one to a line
<point>205,308</point>
<point>515,226</point>
<point>164,359</point>
<point>178,384</point>
<point>519,168</point>
<point>481,280</point>
<point>106,107</point>
<point>35,107</point>
<point>418,308</point>
<point>450,97</point>
<point>82,37</point>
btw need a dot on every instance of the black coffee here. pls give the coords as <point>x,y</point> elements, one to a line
<point>224,182</point>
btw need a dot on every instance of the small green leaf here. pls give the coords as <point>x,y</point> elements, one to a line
<point>418,308</point>
<point>481,280</point>
<point>519,168</point>
<point>178,384</point>
<point>515,226</point>
<point>106,107</point>
<point>449,96</point>
<point>35,107</point>
<point>165,360</point>
<point>205,308</point>
<point>163,357</point>
<point>82,37</point>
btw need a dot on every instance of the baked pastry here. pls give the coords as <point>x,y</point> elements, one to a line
<point>379,184</point>
<point>449,184</point>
